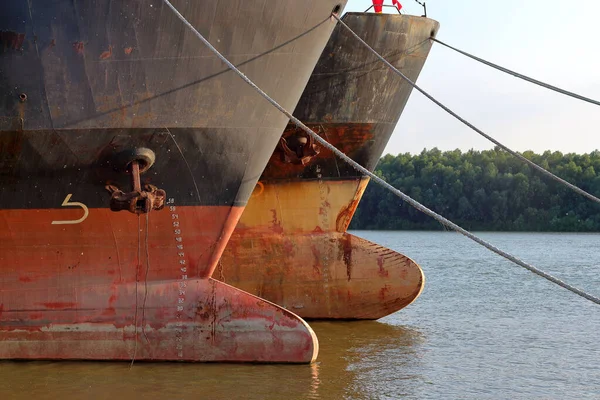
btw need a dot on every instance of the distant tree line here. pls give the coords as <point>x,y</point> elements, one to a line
<point>484,190</point>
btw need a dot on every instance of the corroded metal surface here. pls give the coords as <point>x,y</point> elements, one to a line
<point>327,275</point>
<point>216,323</point>
<point>292,231</point>
<point>83,82</point>
<point>303,260</point>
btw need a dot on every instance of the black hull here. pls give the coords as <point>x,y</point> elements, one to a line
<point>352,99</point>
<point>197,166</point>
<point>81,82</point>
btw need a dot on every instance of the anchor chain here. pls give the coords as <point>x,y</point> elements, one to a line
<point>138,201</point>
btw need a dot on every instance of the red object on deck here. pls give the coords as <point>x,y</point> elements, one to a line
<point>378,5</point>
<point>397,4</point>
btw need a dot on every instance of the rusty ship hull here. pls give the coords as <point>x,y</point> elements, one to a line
<point>293,231</point>
<point>128,152</point>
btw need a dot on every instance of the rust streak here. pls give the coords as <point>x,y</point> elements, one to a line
<point>107,54</point>
<point>347,251</point>
<point>79,47</point>
<point>275,223</point>
<point>382,271</point>
<point>317,265</point>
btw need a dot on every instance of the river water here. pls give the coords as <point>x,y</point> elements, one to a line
<point>483,328</point>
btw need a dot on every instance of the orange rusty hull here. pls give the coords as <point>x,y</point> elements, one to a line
<point>323,275</point>
<point>123,287</point>
<point>290,247</point>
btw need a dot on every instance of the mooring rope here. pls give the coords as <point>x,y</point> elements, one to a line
<point>377,179</point>
<point>518,75</point>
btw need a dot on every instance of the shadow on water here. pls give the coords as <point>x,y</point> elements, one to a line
<point>349,366</point>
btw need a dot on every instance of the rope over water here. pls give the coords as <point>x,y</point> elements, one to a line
<point>375,178</point>
<point>520,76</point>
<point>467,123</point>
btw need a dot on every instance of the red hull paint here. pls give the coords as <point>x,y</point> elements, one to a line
<point>216,322</point>
<point>107,246</point>
<point>82,291</point>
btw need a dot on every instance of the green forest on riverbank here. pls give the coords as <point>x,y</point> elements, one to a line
<point>484,190</point>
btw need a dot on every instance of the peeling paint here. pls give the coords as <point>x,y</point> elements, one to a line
<point>107,54</point>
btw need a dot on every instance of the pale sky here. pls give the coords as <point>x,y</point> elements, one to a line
<point>553,41</point>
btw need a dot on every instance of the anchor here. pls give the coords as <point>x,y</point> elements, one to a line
<point>298,148</point>
<point>137,201</point>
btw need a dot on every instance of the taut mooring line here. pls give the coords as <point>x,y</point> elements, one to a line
<point>377,179</point>
<point>518,75</point>
<point>470,125</point>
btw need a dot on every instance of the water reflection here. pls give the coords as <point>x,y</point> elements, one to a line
<point>349,366</point>
<point>367,359</point>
